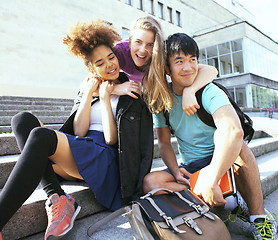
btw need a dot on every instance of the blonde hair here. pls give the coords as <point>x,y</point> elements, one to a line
<point>156,91</point>
<point>85,37</point>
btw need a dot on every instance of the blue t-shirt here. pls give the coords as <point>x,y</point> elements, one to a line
<point>195,138</point>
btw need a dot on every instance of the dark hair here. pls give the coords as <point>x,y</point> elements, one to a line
<point>180,42</point>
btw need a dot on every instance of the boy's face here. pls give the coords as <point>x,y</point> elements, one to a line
<point>183,70</point>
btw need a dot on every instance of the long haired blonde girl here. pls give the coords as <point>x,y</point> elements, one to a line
<point>156,91</point>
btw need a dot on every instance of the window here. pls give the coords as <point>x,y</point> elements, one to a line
<point>150,7</point>
<point>160,10</point>
<point>128,2</point>
<point>178,18</point>
<point>140,4</point>
<point>169,15</point>
<point>125,33</point>
<point>226,57</point>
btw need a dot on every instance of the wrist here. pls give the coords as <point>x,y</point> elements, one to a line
<point>88,93</point>
<point>104,97</point>
<point>208,176</point>
<point>190,90</point>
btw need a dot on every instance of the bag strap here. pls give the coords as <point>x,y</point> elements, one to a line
<point>202,114</point>
<point>154,191</point>
<point>98,225</point>
<point>202,210</point>
<point>169,221</point>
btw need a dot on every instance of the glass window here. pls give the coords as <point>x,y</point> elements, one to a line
<point>128,2</point>
<point>140,4</point>
<point>224,48</point>
<point>241,97</point>
<point>150,7</point>
<point>238,62</point>
<point>231,62</point>
<point>212,51</point>
<point>125,33</point>
<point>202,56</point>
<point>236,45</point>
<point>226,65</point>
<point>178,18</point>
<point>160,10</point>
<point>169,15</point>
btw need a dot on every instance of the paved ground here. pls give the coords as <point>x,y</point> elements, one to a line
<point>120,229</point>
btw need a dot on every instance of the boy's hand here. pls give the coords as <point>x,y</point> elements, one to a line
<point>208,191</point>
<point>179,176</point>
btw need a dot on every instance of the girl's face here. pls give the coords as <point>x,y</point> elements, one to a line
<point>141,46</point>
<point>105,63</point>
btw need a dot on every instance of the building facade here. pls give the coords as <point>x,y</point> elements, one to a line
<point>34,61</point>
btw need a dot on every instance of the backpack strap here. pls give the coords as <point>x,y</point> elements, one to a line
<point>203,115</point>
<point>103,222</point>
<point>207,118</point>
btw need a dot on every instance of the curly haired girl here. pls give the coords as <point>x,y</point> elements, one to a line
<point>89,145</point>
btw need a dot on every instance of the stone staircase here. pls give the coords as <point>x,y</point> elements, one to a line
<point>31,217</point>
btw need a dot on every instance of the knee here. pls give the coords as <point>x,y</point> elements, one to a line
<point>23,119</point>
<point>153,180</point>
<point>43,138</point>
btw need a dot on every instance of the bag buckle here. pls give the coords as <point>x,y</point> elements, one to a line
<point>172,225</point>
<point>203,211</point>
<point>192,224</point>
<point>127,213</point>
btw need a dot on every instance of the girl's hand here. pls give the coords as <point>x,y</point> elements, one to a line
<point>90,84</point>
<point>128,88</point>
<point>189,102</point>
<point>105,89</point>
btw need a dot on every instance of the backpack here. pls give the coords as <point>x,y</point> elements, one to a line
<point>168,216</point>
<point>205,117</point>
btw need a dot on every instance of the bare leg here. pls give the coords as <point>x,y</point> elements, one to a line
<point>161,179</point>
<point>248,181</point>
<point>66,166</point>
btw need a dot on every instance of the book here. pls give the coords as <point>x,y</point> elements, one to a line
<point>227,183</point>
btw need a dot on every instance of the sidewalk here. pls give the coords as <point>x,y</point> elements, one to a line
<point>119,229</point>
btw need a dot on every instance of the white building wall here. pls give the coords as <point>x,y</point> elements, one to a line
<point>33,60</point>
<point>259,60</point>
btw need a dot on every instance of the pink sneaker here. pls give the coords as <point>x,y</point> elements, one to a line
<point>61,212</point>
<point>1,236</point>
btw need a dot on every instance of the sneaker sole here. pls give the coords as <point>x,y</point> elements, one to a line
<point>51,237</point>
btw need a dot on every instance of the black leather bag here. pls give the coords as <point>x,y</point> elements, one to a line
<point>170,215</point>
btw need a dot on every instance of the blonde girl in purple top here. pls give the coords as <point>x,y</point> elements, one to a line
<point>142,59</point>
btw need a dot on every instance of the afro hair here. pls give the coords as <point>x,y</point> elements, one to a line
<point>84,37</point>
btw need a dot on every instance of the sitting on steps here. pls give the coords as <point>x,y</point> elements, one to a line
<point>31,218</point>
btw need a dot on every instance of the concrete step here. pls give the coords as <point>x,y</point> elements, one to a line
<point>31,217</point>
<point>120,228</point>
<point>17,98</point>
<point>6,120</point>
<point>258,146</point>
<point>35,101</point>
<point>8,129</point>
<point>35,107</point>
<point>37,113</point>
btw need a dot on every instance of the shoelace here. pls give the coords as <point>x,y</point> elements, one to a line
<point>265,229</point>
<point>241,212</point>
<point>54,212</point>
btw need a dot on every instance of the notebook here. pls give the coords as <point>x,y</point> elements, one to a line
<point>227,182</point>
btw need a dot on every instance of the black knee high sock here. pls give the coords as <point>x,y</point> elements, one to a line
<point>28,171</point>
<point>22,124</point>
